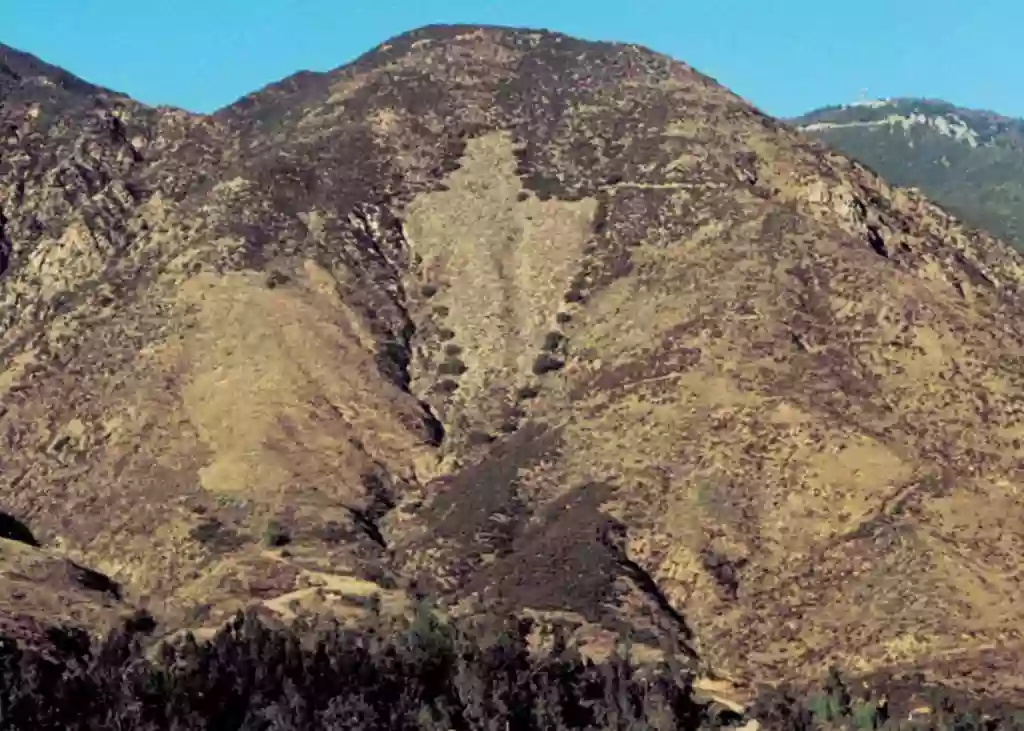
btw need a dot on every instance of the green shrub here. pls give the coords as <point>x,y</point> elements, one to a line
<point>216,535</point>
<point>546,363</point>
<point>528,392</point>
<point>452,367</point>
<point>865,716</point>
<point>275,535</point>
<point>446,386</point>
<point>276,279</point>
<point>553,341</point>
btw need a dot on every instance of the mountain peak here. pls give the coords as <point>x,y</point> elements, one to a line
<point>533,325</point>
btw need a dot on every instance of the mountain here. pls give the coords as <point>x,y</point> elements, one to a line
<point>525,323</point>
<point>969,161</point>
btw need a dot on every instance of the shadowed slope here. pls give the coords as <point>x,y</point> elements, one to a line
<point>535,323</point>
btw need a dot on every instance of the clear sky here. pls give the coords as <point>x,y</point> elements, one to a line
<point>786,56</point>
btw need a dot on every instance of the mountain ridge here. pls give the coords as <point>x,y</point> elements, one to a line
<point>971,161</point>
<point>489,305</point>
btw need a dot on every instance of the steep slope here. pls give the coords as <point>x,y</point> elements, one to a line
<point>970,161</point>
<point>528,322</point>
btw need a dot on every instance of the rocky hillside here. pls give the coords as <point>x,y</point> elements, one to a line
<point>970,161</point>
<point>524,322</point>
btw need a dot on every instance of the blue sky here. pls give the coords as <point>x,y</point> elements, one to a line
<point>786,56</point>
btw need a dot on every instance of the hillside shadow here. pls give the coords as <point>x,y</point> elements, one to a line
<point>13,529</point>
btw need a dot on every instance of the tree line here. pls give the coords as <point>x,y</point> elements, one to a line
<point>427,674</point>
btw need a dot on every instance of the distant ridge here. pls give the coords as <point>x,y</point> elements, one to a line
<point>971,161</point>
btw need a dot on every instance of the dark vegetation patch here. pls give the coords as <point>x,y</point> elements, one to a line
<point>511,417</point>
<point>546,363</point>
<point>887,703</point>
<point>553,341</point>
<point>574,295</point>
<point>276,279</point>
<point>217,536</point>
<point>140,622</point>
<point>379,575</point>
<point>380,488</point>
<point>452,366</point>
<point>426,673</point>
<point>392,360</point>
<point>726,573</point>
<point>562,564</point>
<point>546,187</point>
<point>528,392</point>
<point>478,510</point>
<point>446,386</point>
<point>276,535</point>
<point>573,558</point>
<point>565,156</point>
<point>63,302</point>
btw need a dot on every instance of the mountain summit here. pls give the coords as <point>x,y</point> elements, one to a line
<point>529,323</point>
